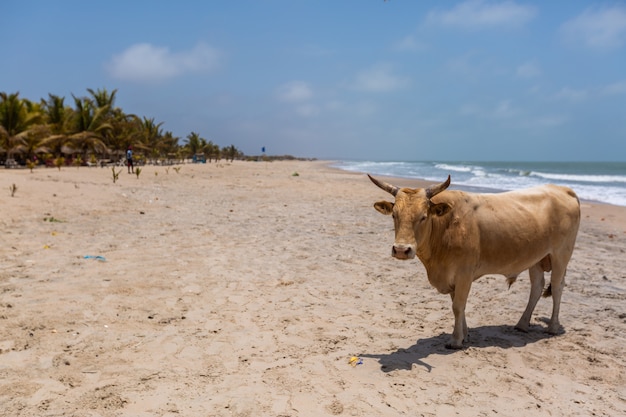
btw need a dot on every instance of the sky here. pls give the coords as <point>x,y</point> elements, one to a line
<point>475,80</point>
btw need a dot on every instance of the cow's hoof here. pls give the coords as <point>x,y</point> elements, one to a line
<point>453,346</point>
<point>521,328</point>
<point>554,330</point>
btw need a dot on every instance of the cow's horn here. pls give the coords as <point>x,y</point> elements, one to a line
<point>433,190</point>
<point>391,189</point>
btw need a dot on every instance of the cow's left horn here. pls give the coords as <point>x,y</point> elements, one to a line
<point>433,190</point>
<point>391,189</point>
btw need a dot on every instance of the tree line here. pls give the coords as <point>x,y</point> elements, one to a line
<point>91,130</point>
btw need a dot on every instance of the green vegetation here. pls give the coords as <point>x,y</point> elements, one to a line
<point>13,189</point>
<point>52,219</point>
<point>90,131</point>
<point>116,175</point>
<point>59,162</point>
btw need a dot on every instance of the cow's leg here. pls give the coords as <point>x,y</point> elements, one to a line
<point>459,301</point>
<point>537,282</point>
<point>557,282</point>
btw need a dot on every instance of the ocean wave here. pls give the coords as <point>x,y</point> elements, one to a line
<point>456,168</point>
<point>606,179</point>
<point>591,181</point>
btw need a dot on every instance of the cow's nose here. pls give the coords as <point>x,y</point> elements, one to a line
<point>402,252</point>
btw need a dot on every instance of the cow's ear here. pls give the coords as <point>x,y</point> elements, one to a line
<point>384,207</point>
<point>439,209</point>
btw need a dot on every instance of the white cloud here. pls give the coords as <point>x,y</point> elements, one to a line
<point>572,95</point>
<point>502,110</point>
<point>597,28</point>
<point>528,70</point>
<point>476,14</point>
<point>313,50</point>
<point>364,108</point>
<point>379,79</point>
<point>307,110</point>
<point>547,122</point>
<point>615,88</point>
<point>146,62</point>
<point>409,43</point>
<point>294,91</point>
<point>474,65</point>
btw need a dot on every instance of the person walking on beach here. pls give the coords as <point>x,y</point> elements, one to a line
<point>129,160</point>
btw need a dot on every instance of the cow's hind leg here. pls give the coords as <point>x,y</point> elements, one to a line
<point>537,282</point>
<point>557,282</point>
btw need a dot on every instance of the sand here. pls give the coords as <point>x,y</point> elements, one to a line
<point>243,289</point>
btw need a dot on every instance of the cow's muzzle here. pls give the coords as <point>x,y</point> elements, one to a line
<point>403,251</point>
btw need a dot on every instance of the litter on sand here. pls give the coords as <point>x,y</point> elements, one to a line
<point>354,361</point>
<point>96,257</point>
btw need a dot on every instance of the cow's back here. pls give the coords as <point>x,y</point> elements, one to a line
<point>508,232</point>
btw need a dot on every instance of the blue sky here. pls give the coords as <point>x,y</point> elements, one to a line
<point>361,79</point>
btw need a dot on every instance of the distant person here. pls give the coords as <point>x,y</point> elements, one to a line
<point>129,160</point>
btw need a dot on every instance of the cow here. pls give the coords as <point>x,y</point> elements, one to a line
<point>461,236</point>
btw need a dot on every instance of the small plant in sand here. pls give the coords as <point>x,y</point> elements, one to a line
<point>177,169</point>
<point>59,162</point>
<point>78,161</point>
<point>167,170</point>
<point>137,172</point>
<point>30,164</point>
<point>116,175</point>
<point>156,173</point>
<point>52,219</point>
<point>13,189</point>
<point>295,174</point>
<point>93,160</point>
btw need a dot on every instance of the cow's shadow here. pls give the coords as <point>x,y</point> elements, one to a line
<point>502,336</point>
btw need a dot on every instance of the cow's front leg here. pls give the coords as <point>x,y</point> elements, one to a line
<point>459,300</point>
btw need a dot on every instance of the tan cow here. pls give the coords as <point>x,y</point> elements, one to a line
<point>461,236</point>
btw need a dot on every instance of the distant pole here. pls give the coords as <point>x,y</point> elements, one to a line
<point>263,155</point>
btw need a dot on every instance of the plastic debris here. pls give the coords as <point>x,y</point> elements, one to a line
<point>354,361</point>
<point>96,257</point>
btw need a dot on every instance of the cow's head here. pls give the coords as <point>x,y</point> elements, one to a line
<point>411,211</point>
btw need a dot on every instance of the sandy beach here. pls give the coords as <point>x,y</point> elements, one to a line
<point>243,289</point>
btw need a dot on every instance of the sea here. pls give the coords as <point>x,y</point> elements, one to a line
<point>603,182</point>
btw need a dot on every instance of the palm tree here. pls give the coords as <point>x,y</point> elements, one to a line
<point>93,125</point>
<point>212,151</point>
<point>231,152</point>
<point>17,119</point>
<point>57,115</point>
<point>102,98</point>
<point>58,119</point>
<point>89,124</point>
<point>33,143</point>
<point>169,145</point>
<point>125,131</point>
<point>193,143</point>
<point>149,137</point>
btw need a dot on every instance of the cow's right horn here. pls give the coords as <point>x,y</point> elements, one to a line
<point>433,190</point>
<point>391,189</point>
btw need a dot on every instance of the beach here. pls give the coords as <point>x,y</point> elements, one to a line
<point>245,288</point>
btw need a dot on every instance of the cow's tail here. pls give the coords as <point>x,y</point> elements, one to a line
<point>548,291</point>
